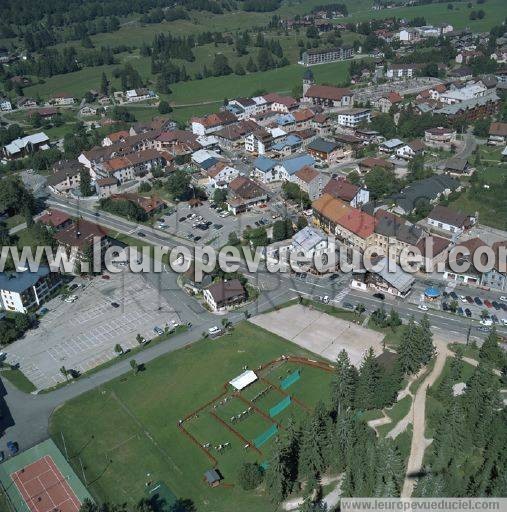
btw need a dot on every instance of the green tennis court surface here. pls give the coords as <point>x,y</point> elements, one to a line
<point>44,450</point>
<point>161,497</point>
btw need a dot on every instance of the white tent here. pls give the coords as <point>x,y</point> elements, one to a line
<point>243,380</point>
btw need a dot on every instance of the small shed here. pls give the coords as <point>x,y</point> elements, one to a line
<point>212,477</point>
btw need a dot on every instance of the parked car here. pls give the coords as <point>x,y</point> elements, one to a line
<point>503,306</point>
<point>422,307</point>
<point>3,356</point>
<point>324,299</point>
<point>379,295</point>
<point>503,298</point>
<point>141,234</point>
<point>478,301</point>
<point>182,219</point>
<point>158,331</point>
<point>460,311</point>
<point>332,277</point>
<point>218,226</point>
<point>496,305</point>
<point>445,306</point>
<point>115,305</point>
<point>197,238</point>
<point>469,299</point>
<point>463,298</point>
<point>487,303</point>
<point>214,331</point>
<point>348,305</point>
<point>71,298</point>
<point>483,328</point>
<point>454,295</point>
<point>73,286</point>
<point>106,277</point>
<point>495,319</point>
<point>13,447</point>
<point>468,313</point>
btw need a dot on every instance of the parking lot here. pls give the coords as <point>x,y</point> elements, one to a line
<point>83,334</point>
<point>184,222</point>
<point>471,303</point>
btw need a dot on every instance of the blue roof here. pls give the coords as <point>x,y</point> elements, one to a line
<point>209,162</point>
<point>293,165</point>
<point>264,163</point>
<point>284,119</point>
<point>432,292</point>
<point>291,140</point>
<point>20,281</point>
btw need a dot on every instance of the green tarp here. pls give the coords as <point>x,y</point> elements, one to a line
<point>290,379</point>
<point>280,406</point>
<point>264,437</point>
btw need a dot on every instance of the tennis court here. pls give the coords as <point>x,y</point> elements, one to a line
<point>41,480</point>
<point>44,488</point>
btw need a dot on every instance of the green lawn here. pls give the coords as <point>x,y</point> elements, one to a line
<point>392,336</point>
<point>397,412</point>
<point>436,13</point>
<point>128,427</point>
<point>18,379</point>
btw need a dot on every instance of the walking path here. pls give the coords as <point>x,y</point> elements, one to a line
<point>418,411</point>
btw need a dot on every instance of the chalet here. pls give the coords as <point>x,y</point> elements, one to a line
<point>212,122</point>
<point>411,149</point>
<point>243,194</point>
<point>279,103</point>
<point>497,134</point>
<point>150,205</point>
<point>325,150</point>
<point>224,294</point>
<point>220,174</point>
<point>387,101</point>
<point>106,187</point>
<point>329,97</point>
<point>62,99</point>
<point>457,166</point>
<point>27,145</point>
<point>341,188</point>
<point>367,164</point>
<point>310,181</point>
<point>439,137</point>
<point>55,219</point>
<point>447,219</point>
<point>66,176</point>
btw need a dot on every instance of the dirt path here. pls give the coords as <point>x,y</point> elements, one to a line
<point>419,442</point>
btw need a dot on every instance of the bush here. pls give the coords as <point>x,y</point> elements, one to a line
<point>250,476</point>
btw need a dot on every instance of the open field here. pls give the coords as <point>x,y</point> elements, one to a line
<point>321,333</point>
<point>495,12</point>
<point>129,428</point>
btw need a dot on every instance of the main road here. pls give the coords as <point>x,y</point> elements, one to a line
<point>28,415</point>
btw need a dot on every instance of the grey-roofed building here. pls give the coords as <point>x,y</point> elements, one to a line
<point>472,109</point>
<point>309,241</point>
<point>224,294</point>
<point>264,169</point>
<point>26,145</point>
<point>389,278</point>
<point>23,290</point>
<point>429,189</point>
<point>457,165</point>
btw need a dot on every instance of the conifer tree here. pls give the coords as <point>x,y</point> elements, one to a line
<point>276,475</point>
<point>343,384</point>
<point>367,391</point>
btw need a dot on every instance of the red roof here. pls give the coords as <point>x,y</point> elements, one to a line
<point>341,189</point>
<point>394,97</point>
<point>54,218</point>
<point>327,92</point>
<point>358,222</point>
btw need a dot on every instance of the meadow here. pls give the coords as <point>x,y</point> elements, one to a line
<point>127,433</point>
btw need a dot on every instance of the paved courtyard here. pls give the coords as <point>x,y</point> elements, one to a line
<point>83,334</point>
<point>321,333</point>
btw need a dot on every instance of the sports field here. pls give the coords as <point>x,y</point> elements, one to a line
<point>41,480</point>
<point>128,436</point>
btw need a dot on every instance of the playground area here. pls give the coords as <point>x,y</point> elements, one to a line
<point>41,480</point>
<point>240,424</point>
<point>320,333</point>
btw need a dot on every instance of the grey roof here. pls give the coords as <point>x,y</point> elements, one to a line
<point>264,164</point>
<point>457,164</point>
<point>212,476</point>
<point>428,188</point>
<point>388,226</point>
<point>19,144</point>
<point>392,143</point>
<point>20,281</point>
<point>456,108</point>
<point>398,279</point>
<point>294,164</point>
<point>322,145</point>
<point>306,239</point>
<point>449,216</point>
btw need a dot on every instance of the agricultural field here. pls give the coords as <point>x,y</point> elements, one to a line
<point>129,431</point>
<point>436,13</point>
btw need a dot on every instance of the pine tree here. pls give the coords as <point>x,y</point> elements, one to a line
<point>491,352</point>
<point>104,85</point>
<point>277,479</point>
<point>343,384</point>
<point>408,349</point>
<point>389,469</point>
<point>367,390</point>
<point>426,347</point>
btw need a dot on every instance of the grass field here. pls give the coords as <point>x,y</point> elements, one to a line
<point>436,13</point>
<point>17,378</point>
<point>128,427</point>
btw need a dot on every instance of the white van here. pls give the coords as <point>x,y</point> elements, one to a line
<point>214,331</point>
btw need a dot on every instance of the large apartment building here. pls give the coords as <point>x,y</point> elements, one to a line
<point>324,55</point>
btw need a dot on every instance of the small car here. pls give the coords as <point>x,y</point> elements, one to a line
<point>158,331</point>
<point>487,303</point>
<point>141,234</point>
<point>460,311</point>
<point>197,238</point>
<point>495,319</point>
<point>496,305</point>
<point>218,226</point>
<point>445,306</point>
<point>71,298</point>
<point>182,219</point>
<point>348,305</point>
<point>379,295</point>
<point>478,301</point>
<point>454,295</point>
<point>332,277</point>
<point>422,307</point>
<point>115,305</point>
<point>13,447</point>
<point>214,331</point>
<point>468,313</point>
<point>106,277</point>
<point>469,299</point>
<point>483,328</point>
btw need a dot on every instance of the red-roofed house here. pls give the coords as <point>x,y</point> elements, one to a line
<point>310,181</point>
<point>328,96</point>
<point>387,101</point>
<point>278,103</point>
<point>55,219</point>
<point>342,189</point>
